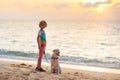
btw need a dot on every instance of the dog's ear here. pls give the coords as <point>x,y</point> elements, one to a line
<point>54,50</point>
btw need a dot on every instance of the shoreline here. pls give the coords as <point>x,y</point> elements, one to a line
<point>69,66</point>
<point>18,55</point>
<point>26,69</point>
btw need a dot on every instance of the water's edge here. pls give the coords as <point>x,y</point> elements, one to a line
<point>18,55</point>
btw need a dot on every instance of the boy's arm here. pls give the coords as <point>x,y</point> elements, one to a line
<point>39,41</point>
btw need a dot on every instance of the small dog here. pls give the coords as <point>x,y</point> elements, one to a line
<point>55,68</point>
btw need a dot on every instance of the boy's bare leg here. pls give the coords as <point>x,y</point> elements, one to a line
<point>39,68</point>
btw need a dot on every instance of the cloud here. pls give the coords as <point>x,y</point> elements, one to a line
<point>96,4</point>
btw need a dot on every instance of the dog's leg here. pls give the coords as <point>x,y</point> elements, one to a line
<point>52,67</point>
<point>58,69</point>
<point>52,70</point>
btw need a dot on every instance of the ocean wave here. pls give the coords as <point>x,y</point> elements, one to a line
<point>109,62</point>
<point>91,62</point>
<point>17,53</point>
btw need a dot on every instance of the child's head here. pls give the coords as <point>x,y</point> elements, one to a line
<point>42,24</point>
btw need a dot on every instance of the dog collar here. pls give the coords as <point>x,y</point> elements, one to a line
<point>54,58</point>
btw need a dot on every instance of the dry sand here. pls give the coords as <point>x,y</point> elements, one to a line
<point>25,70</point>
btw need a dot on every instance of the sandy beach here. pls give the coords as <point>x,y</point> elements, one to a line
<point>25,70</point>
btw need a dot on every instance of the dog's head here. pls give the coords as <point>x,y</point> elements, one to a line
<point>57,52</point>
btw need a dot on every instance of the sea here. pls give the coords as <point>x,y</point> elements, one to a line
<point>89,43</point>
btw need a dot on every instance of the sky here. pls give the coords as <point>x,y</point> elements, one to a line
<point>60,9</point>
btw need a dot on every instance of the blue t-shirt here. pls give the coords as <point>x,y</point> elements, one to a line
<point>42,35</point>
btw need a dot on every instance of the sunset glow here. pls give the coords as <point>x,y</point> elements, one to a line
<point>101,8</point>
<point>65,9</point>
<point>94,1</point>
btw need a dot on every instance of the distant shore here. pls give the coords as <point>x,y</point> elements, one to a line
<point>25,70</point>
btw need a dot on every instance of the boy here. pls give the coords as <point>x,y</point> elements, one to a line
<point>41,40</point>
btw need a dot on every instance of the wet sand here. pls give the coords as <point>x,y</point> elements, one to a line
<point>25,70</point>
